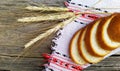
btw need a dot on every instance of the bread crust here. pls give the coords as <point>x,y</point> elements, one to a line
<point>114,28</point>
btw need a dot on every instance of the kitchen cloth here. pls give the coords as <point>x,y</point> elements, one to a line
<point>59,59</point>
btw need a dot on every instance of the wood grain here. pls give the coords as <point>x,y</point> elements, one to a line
<point>13,36</point>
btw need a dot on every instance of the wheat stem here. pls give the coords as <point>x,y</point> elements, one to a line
<point>54,16</point>
<point>35,8</point>
<point>48,32</point>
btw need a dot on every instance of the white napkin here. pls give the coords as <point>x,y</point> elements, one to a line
<point>59,59</point>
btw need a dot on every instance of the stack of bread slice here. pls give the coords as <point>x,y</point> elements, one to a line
<point>94,41</point>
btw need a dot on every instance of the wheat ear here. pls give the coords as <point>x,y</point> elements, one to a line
<point>45,8</point>
<point>55,16</point>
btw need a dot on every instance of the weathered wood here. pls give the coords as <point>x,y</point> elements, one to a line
<point>13,36</point>
<point>109,64</point>
<point>25,64</point>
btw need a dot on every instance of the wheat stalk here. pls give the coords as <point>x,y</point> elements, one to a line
<point>45,8</point>
<point>55,16</point>
<point>59,9</point>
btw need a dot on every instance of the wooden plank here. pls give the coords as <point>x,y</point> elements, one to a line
<point>25,64</point>
<point>109,64</point>
<point>29,64</point>
<point>35,52</point>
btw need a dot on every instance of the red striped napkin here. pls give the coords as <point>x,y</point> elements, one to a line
<point>60,60</point>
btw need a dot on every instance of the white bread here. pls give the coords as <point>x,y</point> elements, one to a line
<point>102,35</point>
<point>73,50</point>
<point>114,28</point>
<point>83,49</point>
<point>96,39</point>
<point>91,40</point>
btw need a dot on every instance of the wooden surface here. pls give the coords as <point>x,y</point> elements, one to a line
<point>13,36</point>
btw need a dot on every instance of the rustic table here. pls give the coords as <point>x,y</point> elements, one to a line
<point>13,35</point>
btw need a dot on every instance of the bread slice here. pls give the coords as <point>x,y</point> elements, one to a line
<point>114,28</point>
<point>91,40</point>
<point>102,35</point>
<point>83,49</point>
<point>73,50</point>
